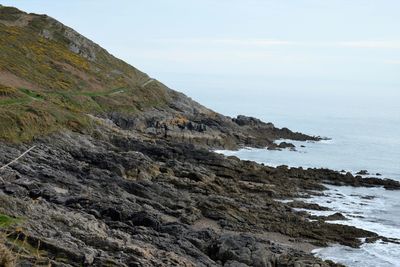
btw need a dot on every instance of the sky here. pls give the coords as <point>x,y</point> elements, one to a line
<point>248,46</point>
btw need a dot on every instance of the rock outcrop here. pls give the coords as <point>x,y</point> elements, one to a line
<point>117,197</point>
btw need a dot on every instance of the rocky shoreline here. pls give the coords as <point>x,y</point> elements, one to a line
<point>115,197</point>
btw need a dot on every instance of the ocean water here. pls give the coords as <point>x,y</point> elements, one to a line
<point>363,122</point>
<point>373,209</point>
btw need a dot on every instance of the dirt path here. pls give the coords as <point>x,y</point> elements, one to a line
<point>29,97</point>
<point>148,82</point>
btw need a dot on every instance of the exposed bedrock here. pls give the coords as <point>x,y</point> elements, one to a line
<point>128,200</point>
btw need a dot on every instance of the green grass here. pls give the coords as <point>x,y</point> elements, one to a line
<point>67,96</point>
<point>11,101</point>
<point>32,94</point>
<point>102,93</point>
<point>7,221</point>
<point>26,97</point>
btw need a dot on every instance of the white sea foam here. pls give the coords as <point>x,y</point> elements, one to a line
<point>369,255</point>
<point>323,154</point>
<point>284,200</point>
<point>327,141</point>
<point>373,209</point>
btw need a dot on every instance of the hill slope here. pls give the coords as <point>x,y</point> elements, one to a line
<point>51,77</point>
<point>54,75</point>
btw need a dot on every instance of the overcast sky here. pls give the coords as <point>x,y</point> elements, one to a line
<point>289,43</point>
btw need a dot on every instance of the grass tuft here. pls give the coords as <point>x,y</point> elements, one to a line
<point>7,221</point>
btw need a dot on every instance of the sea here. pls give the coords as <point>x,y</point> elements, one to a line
<point>363,123</point>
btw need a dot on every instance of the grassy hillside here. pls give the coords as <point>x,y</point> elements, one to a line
<point>51,77</point>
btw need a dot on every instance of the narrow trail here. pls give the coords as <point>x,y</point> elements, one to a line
<point>29,98</point>
<point>148,82</point>
<point>117,92</point>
